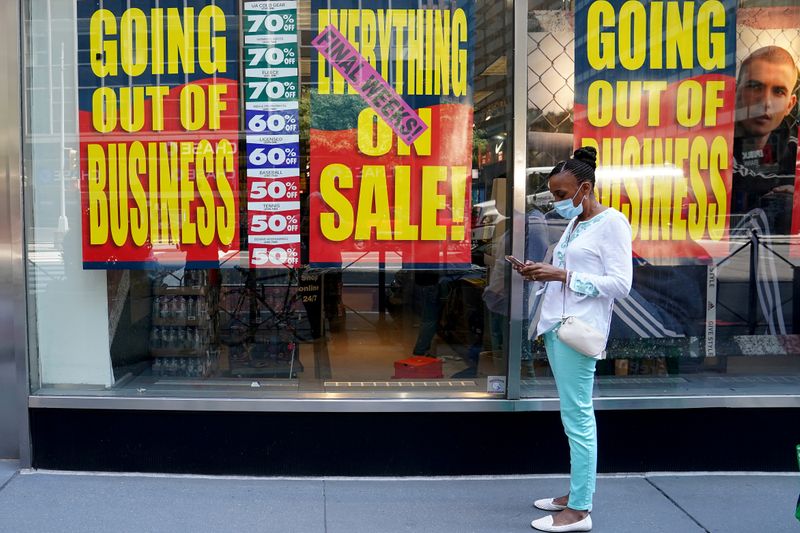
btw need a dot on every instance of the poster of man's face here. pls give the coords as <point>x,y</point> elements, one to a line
<point>765,137</point>
<point>765,94</point>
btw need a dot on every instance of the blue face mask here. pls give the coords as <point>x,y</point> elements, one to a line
<point>566,209</point>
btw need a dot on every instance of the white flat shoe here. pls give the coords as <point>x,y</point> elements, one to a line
<point>546,524</point>
<point>548,504</point>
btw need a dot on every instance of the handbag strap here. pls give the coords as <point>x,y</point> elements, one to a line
<point>566,282</point>
<point>536,299</point>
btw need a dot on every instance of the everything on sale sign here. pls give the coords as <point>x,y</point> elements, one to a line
<point>391,132</point>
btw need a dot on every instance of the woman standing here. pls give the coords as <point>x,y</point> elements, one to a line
<point>591,267</point>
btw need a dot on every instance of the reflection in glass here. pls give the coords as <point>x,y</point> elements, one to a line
<point>172,316</point>
<point>711,311</point>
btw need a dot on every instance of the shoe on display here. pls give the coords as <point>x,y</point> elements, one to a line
<point>548,504</point>
<point>546,524</point>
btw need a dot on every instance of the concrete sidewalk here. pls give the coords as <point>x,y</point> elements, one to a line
<point>45,502</point>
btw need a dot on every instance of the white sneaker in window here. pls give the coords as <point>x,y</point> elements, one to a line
<point>548,504</point>
<point>546,524</point>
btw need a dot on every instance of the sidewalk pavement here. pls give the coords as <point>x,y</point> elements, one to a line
<point>62,502</point>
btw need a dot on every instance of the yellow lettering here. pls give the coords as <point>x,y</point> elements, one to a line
<point>632,35</point>
<point>133,41</point>
<point>600,105</point>
<point>168,188</point>
<point>373,191</point>
<point>403,228</point>
<point>441,39</point>
<point>718,212</point>
<point>374,135</point>
<point>131,108</point>
<point>629,103</point>
<point>713,101</point>
<point>193,109</point>
<point>211,55</point>
<point>104,110</point>
<point>157,94</point>
<point>422,145</point>
<point>459,53</point>
<point>711,45</point>
<point>689,105</point>
<point>654,90</point>
<point>180,41</point>
<point>138,214</point>
<point>96,185</point>
<point>188,229</point>
<point>432,203</point>
<point>206,215</point>
<point>680,34</point>
<point>342,208</point>
<point>324,82</point>
<point>118,192</point>
<point>698,161</point>
<point>600,44</point>
<point>103,54</point>
<point>226,215</point>
<point>216,105</point>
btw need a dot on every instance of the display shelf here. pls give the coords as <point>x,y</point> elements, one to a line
<point>267,361</point>
<point>272,369</point>
<point>195,366</point>
<point>183,322</point>
<point>167,290</point>
<point>176,352</point>
<point>180,322</point>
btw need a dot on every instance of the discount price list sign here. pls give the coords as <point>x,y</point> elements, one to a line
<point>273,133</point>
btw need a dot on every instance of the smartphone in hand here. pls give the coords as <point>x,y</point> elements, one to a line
<point>514,261</point>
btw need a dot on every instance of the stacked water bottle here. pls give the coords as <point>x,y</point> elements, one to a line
<point>180,336</point>
<point>180,309</point>
<point>179,339</point>
<point>182,366</point>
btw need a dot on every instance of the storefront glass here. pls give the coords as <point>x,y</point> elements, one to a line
<point>226,198</point>
<point>692,107</point>
<point>283,198</point>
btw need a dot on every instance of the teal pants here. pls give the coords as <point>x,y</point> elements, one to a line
<point>574,376</point>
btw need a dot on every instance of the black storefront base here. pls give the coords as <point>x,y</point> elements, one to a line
<point>407,444</point>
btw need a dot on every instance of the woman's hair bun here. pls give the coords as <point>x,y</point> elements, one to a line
<point>587,154</point>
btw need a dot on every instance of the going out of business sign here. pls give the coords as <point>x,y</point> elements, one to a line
<point>159,121</point>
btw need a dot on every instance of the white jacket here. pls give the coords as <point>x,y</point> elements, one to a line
<point>598,256</point>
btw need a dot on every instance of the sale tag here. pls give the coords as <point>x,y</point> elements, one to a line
<point>273,16</point>
<point>272,151</point>
<point>286,254</point>
<point>271,84</point>
<point>280,220</point>
<point>272,121</point>
<point>278,122</point>
<point>273,189</point>
<point>272,173</point>
<point>273,55</point>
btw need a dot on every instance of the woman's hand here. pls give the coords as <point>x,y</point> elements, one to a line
<point>542,272</point>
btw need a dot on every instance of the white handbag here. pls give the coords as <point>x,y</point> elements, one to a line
<point>582,337</point>
<point>578,334</point>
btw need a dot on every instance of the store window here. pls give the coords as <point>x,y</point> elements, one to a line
<point>267,197</point>
<point>692,107</point>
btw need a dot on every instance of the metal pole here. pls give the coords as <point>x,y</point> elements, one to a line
<point>63,223</point>
<point>795,300</point>
<point>382,284</point>
<point>519,139</point>
<point>752,310</point>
